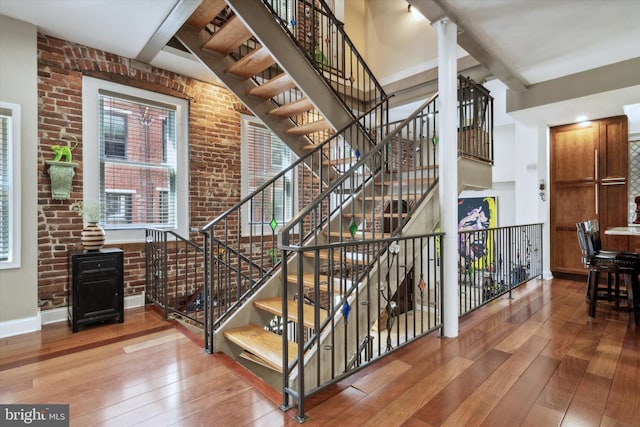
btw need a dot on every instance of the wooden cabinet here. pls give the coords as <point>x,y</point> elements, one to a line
<point>96,287</point>
<point>589,172</point>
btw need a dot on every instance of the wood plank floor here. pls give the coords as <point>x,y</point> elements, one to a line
<point>534,360</point>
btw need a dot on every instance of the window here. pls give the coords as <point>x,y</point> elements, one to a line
<point>114,128</point>
<point>9,185</point>
<point>263,156</point>
<point>137,142</point>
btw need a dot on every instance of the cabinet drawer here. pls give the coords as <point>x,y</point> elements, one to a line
<point>88,265</point>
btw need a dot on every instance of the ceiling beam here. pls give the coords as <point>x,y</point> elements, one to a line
<point>612,77</point>
<point>425,83</point>
<point>435,10</point>
<point>169,27</point>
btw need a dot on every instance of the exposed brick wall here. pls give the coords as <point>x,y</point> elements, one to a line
<point>214,153</point>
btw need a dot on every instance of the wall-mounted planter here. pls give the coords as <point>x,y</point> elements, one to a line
<point>61,175</point>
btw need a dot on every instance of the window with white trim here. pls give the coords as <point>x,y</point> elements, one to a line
<point>136,141</point>
<point>264,155</point>
<point>9,185</point>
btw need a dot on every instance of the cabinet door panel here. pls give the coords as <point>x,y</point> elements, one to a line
<point>98,296</point>
<point>566,254</point>
<point>613,206</point>
<point>573,152</point>
<point>614,151</point>
<point>571,204</point>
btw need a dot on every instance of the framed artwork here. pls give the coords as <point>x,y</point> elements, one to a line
<point>476,214</point>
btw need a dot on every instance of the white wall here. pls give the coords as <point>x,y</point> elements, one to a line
<point>402,46</point>
<point>19,85</point>
<point>503,176</point>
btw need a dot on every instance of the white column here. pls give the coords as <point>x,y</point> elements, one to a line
<point>448,164</point>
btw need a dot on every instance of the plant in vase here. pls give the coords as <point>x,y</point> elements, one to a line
<point>61,170</point>
<point>92,234</point>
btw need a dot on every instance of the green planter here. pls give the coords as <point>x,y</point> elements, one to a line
<point>61,175</point>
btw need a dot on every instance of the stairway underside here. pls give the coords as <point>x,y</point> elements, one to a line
<point>256,59</point>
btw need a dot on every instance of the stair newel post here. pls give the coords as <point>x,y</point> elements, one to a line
<point>285,332</point>
<point>208,301</point>
<point>300,332</point>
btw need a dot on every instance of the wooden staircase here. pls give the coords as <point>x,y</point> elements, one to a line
<point>248,50</point>
<point>217,33</point>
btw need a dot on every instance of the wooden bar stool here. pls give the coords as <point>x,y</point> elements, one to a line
<point>614,264</point>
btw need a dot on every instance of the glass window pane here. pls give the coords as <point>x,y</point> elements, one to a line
<point>138,168</point>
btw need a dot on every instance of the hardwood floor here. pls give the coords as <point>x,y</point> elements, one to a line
<point>534,360</point>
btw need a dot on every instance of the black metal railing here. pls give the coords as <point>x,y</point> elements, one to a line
<point>494,261</point>
<point>475,121</point>
<point>369,298</point>
<point>174,275</point>
<point>321,36</point>
<point>395,177</point>
<point>343,244</point>
<point>240,245</point>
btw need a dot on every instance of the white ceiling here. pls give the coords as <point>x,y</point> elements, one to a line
<point>546,39</point>
<point>537,40</point>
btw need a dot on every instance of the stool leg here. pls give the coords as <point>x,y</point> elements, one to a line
<point>633,295</point>
<point>593,286</point>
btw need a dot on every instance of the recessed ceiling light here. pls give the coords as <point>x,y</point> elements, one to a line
<point>581,118</point>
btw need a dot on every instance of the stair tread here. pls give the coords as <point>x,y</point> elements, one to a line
<point>310,127</point>
<point>229,37</point>
<point>308,282</point>
<point>263,344</point>
<point>406,195</point>
<point>297,107</point>
<point>255,359</point>
<point>358,234</point>
<point>407,181</point>
<point>369,214</point>
<point>252,63</point>
<point>274,306</point>
<point>337,255</point>
<point>273,87</point>
<point>344,161</point>
<point>206,11</point>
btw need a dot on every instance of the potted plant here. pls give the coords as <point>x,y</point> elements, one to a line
<point>61,170</point>
<point>93,235</point>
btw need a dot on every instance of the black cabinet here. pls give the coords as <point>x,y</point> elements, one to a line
<point>96,286</point>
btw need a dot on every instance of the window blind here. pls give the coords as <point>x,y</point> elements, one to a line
<point>137,162</point>
<point>267,156</point>
<point>5,184</point>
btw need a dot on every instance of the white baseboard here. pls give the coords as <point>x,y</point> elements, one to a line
<point>33,324</point>
<point>25,325</point>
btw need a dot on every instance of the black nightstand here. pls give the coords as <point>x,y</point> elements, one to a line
<point>96,286</point>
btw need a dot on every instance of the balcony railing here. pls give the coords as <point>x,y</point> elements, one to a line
<point>494,261</point>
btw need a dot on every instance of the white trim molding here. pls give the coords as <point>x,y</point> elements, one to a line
<point>55,315</point>
<point>25,325</point>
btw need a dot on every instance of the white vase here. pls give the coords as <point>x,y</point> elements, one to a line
<point>92,237</point>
